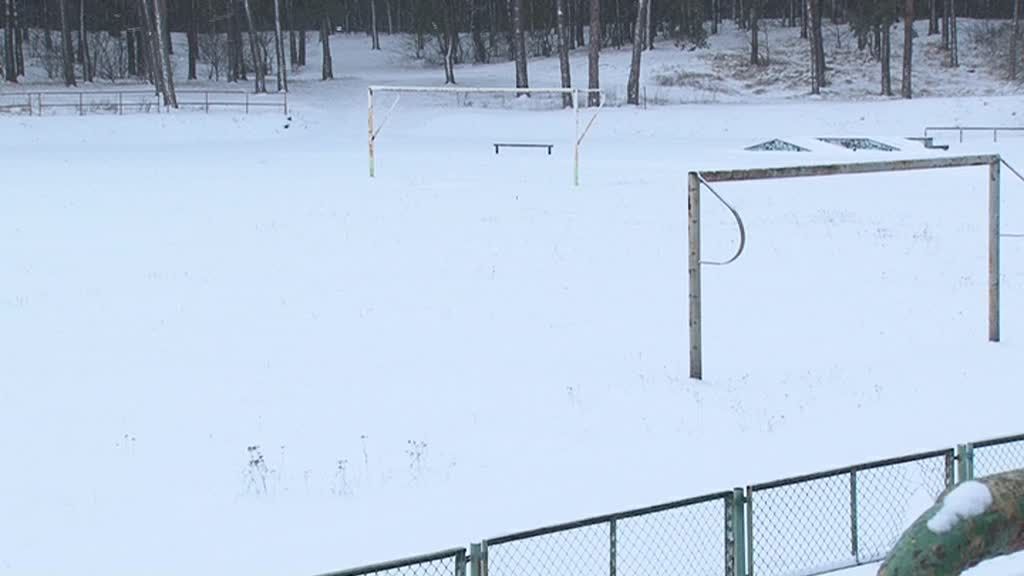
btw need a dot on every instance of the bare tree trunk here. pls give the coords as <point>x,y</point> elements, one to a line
<point>453,48</point>
<point>375,38</point>
<point>954,44</point>
<point>945,24</point>
<point>476,23</point>
<point>10,68</point>
<point>594,82</point>
<point>166,71</point>
<point>714,16</point>
<point>282,66</point>
<point>193,37</point>
<point>885,53</point>
<point>908,49</point>
<point>633,86</point>
<point>19,41</point>
<point>933,18</point>
<point>805,8</point>
<point>65,31</point>
<point>563,51</point>
<point>755,58</point>
<point>293,52</point>
<point>257,55</point>
<point>522,80</point>
<point>327,72</point>
<point>1014,36</point>
<point>817,46</point>
<point>302,47</point>
<point>83,44</point>
<point>649,26</point>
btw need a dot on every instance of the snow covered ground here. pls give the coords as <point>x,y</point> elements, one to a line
<point>226,349</point>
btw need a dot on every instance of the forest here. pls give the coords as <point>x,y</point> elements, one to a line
<point>251,40</point>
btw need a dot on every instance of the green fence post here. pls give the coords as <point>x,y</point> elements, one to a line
<point>460,563</point>
<point>739,533</point>
<point>854,544</point>
<point>484,565</point>
<point>474,560</point>
<point>749,500</point>
<point>965,462</point>
<point>612,547</point>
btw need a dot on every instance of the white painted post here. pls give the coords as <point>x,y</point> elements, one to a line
<point>576,140</point>
<point>369,117</point>
<point>696,356</point>
<point>993,251</point>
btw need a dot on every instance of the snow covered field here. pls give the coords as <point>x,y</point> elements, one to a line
<point>226,349</point>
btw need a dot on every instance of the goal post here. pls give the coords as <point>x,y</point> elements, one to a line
<point>581,129</point>
<point>698,179</point>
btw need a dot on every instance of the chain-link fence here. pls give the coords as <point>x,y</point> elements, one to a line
<point>840,518</point>
<point>796,527</point>
<point>133,101</point>
<point>445,563</point>
<point>998,455</point>
<point>681,538</point>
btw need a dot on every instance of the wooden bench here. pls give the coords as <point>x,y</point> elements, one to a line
<point>499,145</point>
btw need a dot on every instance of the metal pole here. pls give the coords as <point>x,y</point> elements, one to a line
<point>286,103</point>
<point>739,527</point>
<point>854,544</point>
<point>576,140</point>
<point>369,132</point>
<point>965,462</point>
<point>81,107</point>
<point>612,548</point>
<point>993,251</point>
<point>30,104</point>
<point>120,104</point>
<point>246,102</point>
<point>696,356</point>
<point>995,135</point>
<point>474,560</point>
<point>206,100</point>
<point>961,136</point>
<point>750,532</point>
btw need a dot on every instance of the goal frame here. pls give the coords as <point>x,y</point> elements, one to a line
<point>373,131</point>
<point>696,179</point>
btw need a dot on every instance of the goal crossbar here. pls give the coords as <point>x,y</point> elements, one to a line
<point>695,180</point>
<point>373,129</point>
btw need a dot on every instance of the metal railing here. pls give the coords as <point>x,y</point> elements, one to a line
<point>800,526</point>
<point>839,518</point>
<point>687,537</point>
<point>445,563</point>
<point>120,102</point>
<point>995,130</point>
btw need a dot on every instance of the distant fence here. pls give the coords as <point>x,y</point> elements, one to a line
<point>801,526</point>
<point>121,102</point>
<point>995,130</point>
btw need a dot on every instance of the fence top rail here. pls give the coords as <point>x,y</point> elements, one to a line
<point>998,441</point>
<point>848,168</point>
<point>969,128</point>
<point>606,518</point>
<point>947,453</point>
<point>479,89</point>
<point>402,563</point>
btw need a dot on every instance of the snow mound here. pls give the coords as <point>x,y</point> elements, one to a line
<point>965,501</point>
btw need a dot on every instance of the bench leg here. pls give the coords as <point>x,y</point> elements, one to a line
<point>495,148</point>
<point>549,150</point>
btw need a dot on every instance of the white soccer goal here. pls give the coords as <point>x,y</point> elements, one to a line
<point>697,180</point>
<point>581,129</point>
